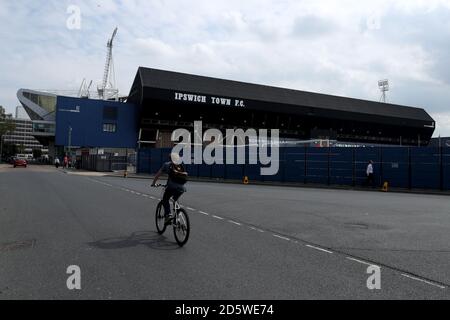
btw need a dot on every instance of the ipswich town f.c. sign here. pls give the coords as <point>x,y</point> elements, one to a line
<point>190,97</point>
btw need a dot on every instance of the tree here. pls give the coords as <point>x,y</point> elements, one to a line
<point>9,150</point>
<point>6,125</point>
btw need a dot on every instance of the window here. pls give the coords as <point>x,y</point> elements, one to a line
<point>109,127</point>
<point>110,113</point>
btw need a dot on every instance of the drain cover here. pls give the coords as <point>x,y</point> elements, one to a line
<point>17,245</point>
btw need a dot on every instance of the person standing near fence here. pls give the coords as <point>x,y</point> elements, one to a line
<point>369,173</point>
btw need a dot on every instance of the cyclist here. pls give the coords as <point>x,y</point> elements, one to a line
<point>175,183</point>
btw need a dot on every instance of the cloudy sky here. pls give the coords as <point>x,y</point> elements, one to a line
<point>340,47</point>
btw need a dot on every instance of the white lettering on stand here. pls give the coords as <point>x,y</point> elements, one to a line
<point>190,97</point>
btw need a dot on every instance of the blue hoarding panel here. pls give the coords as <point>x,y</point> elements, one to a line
<point>204,171</point>
<point>446,168</point>
<point>155,160</point>
<point>333,165</point>
<point>294,165</point>
<point>191,169</point>
<point>317,165</point>
<point>425,168</point>
<point>341,166</point>
<point>395,167</point>
<point>218,171</point>
<point>143,163</point>
<point>235,171</point>
<point>253,172</point>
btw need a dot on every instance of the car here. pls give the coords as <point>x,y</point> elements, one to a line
<point>18,162</point>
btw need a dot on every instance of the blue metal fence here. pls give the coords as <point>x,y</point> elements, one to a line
<point>425,168</point>
<point>401,167</point>
<point>445,169</point>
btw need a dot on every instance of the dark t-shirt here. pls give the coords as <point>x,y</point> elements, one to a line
<point>170,184</point>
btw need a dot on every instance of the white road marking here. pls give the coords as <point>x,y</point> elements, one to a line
<point>317,248</point>
<point>256,229</point>
<point>424,281</point>
<point>280,237</point>
<point>362,262</point>
<point>275,235</point>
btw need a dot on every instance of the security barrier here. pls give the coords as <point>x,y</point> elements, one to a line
<point>400,167</point>
<point>103,163</point>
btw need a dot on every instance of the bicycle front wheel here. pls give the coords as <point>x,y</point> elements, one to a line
<point>181,227</point>
<point>160,219</point>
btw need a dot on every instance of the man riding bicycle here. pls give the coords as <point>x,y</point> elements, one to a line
<point>175,183</point>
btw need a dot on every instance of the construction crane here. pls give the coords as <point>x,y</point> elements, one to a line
<point>104,91</point>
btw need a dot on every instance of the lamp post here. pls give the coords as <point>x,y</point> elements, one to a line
<point>383,85</point>
<point>70,143</point>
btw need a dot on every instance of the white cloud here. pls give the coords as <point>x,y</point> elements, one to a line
<point>337,47</point>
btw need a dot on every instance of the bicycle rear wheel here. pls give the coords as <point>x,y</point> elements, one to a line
<point>181,227</point>
<point>160,219</point>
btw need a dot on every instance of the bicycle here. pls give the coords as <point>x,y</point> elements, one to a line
<point>179,220</point>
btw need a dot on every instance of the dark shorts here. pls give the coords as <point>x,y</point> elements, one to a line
<point>174,193</point>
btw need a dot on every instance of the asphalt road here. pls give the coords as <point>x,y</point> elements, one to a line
<point>247,242</point>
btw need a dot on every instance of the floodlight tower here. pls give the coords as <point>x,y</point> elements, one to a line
<point>383,85</point>
<point>108,73</point>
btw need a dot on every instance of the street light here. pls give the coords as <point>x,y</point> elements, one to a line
<point>70,142</point>
<point>383,85</point>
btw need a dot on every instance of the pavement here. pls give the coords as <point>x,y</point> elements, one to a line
<point>247,242</point>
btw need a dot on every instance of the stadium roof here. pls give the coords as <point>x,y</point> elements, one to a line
<point>175,81</point>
